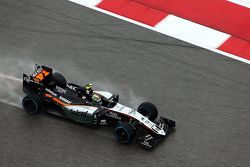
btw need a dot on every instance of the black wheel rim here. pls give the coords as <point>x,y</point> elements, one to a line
<point>122,135</point>
<point>30,105</point>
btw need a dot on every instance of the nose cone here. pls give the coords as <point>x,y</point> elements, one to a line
<point>158,130</point>
<point>161,132</point>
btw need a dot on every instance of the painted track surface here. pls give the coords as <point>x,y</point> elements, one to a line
<point>207,94</point>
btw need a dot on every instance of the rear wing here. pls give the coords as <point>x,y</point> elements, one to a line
<point>37,80</point>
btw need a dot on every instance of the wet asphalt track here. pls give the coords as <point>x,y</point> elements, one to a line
<point>207,94</point>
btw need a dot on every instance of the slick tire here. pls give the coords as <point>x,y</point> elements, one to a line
<point>32,104</point>
<point>59,79</point>
<point>149,110</point>
<point>124,133</point>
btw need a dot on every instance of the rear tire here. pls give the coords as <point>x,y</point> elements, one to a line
<point>59,79</point>
<point>124,133</point>
<point>149,110</point>
<point>32,104</point>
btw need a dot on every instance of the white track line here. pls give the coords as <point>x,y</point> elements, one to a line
<point>191,32</point>
<point>87,2</point>
<point>245,3</point>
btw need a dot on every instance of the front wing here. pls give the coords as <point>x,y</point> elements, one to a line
<point>149,141</point>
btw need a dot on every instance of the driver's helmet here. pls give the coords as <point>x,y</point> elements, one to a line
<point>88,86</point>
<point>96,98</point>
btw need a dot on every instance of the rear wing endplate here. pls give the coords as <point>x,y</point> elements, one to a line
<point>40,77</point>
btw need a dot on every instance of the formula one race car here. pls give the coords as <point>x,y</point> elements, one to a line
<point>48,91</point>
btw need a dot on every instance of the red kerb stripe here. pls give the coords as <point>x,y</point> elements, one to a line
<point>133,10</point>
<point>237,47</point>
<point>217,14</point>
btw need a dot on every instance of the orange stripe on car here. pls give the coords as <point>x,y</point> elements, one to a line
<point>56,100</point>
<point>60,102</point>
<point>49,96</point>
<point>39,76</point>
<point>42,75</point>
<point>46,73</point>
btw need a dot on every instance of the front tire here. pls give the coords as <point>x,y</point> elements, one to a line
<point>149,110</point>
<point>124,133</point>
<point>32,104</point>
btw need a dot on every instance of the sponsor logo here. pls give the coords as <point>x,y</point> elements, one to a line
<point>27,79</point>
<point>61,90</point>
<point>103,122</point>
<point>72,87</point>
<point>161,125</point>
<point>38,70</point>
<point>146,121</point>
<point>131,111</point>
<point>113,115</point>
<point>146,143</point>
<point>148,137</point>
<point>120,109</point>
<point>51,92</point>
<point>65,100</point>
<point>78,113</point>
<point>157,128</point>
